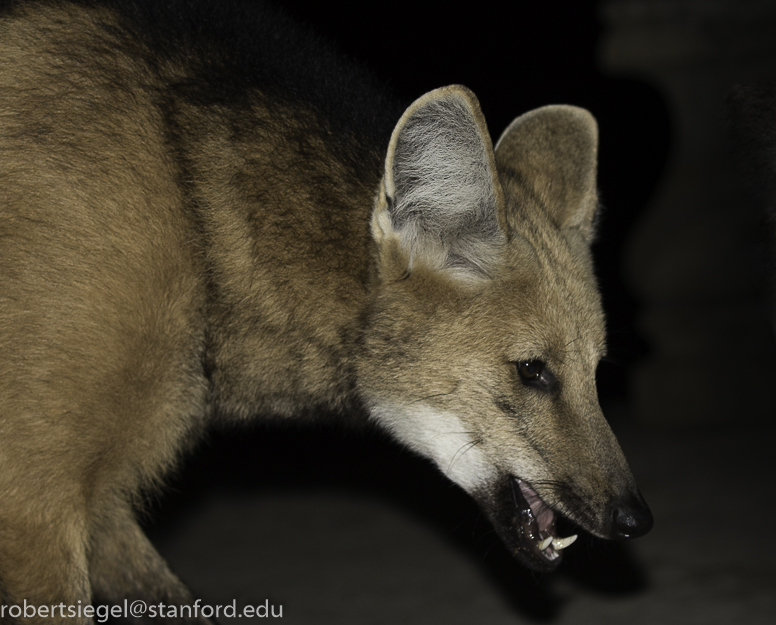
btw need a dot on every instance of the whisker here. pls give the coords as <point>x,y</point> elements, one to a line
<point>462,450</point>
<point>433,396</point>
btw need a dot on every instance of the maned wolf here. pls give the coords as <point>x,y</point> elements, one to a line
<point>205,216</point>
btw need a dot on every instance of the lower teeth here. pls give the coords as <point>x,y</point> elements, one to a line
<point>557,543</point>
<point>562,543</point>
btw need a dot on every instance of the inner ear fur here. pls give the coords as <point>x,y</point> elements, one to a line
<point>440,194</point>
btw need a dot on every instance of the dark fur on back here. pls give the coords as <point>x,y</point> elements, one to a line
<point>222,51</point>
<point>235,86</point>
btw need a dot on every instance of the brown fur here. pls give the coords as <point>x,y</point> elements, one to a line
<point>168,257</point>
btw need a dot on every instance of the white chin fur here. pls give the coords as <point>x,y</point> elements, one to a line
<point>441,437</point>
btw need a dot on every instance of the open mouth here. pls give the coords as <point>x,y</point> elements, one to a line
<point>535,525</point>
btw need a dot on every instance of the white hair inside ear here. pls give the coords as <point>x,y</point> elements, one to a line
<point>440,185</point>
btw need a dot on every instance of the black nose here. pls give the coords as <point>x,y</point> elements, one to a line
<point>630,517</point>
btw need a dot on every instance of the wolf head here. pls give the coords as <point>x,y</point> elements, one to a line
<point>486,328</point>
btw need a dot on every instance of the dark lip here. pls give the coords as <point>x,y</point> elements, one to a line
<point>522,520</point>
<point>534,521</point>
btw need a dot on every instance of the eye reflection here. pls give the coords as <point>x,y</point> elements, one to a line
<point>530,370</point>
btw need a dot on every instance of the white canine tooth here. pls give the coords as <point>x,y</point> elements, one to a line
<point>545,543</point>
<point>562,543</point>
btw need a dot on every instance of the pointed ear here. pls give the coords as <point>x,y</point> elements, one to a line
<point>440,195</point>
<point>554,150</point>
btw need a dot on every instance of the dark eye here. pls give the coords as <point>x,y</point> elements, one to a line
<point>530,370</point>
<point>535,373</point>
